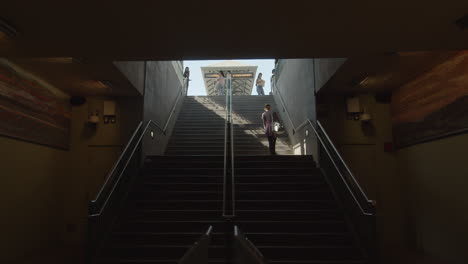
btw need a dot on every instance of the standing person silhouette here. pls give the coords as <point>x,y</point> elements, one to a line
<point>187,75</point>
<point>268,119</point>
<point>220,82</point>
<point>260,84</point>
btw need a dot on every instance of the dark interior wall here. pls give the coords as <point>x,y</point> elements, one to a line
<point>436,171</point>
<point>45,191</point>
<point>31,190</point>
<point>163,89</point>
<point>362,147</point>
<point>93,152</point>
<point>420,189</point>
<point>436,177</point>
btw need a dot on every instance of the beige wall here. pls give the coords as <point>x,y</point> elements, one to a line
<point>93,152</point>
<point>437,176</point>
<point>420,190</point>
<point>31,198</point>
<point>45,191</point>
<point>362,146</point>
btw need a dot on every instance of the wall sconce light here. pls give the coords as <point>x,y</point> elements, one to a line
<point>109,112</point>
<point>366,117</point>
<point>307,132</point>
<point>93,118</point>
<point>152,134</point>
<point>353,108</point>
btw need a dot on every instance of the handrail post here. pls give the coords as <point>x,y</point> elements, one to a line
<point>245,251</point>
<point>198,253</point>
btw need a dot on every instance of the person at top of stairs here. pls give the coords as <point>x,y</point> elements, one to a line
<point>267,118</point>
<point>260,83</point>
<point>220,83</point>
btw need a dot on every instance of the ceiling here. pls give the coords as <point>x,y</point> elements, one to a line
<point>167,30</point>
<point>382,73</point>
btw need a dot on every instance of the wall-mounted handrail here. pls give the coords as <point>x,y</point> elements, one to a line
<point>112,181</point>
<point>343,162</point>
<point>114,178</point>
<point>114,168</point>
<point>326,139</point>
<point>182,90</point>
<point>369,203</point>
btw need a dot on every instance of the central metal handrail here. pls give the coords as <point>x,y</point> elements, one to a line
<point>231,120</point>
<point>228,152</point>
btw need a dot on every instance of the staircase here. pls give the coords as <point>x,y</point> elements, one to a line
<point>283,203</point>
<point>175,201</point>
<point>286,208</point>
<point>199,129</point>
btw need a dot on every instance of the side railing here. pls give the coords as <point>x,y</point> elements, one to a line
<point>102,210</point>
<point>358,207</point>
<point>105,207</point>
<point>198,253</point>
<point>228,173</point>
<point>245,251</point>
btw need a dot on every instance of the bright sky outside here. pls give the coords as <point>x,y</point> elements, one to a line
<point>197,86</point>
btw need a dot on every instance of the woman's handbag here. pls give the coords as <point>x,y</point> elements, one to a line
<point>277,126</point>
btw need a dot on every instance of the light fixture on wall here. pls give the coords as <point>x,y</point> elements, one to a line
<point>353,107</point>
<point>109,112</point>
<point>366,117</point>
<point>93,118</point>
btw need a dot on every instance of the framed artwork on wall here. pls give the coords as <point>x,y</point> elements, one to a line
<point>32,110</point>
<point>434,105</point>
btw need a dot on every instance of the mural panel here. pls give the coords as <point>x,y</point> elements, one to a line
<point>434,105</point>
<point>32,110</point>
